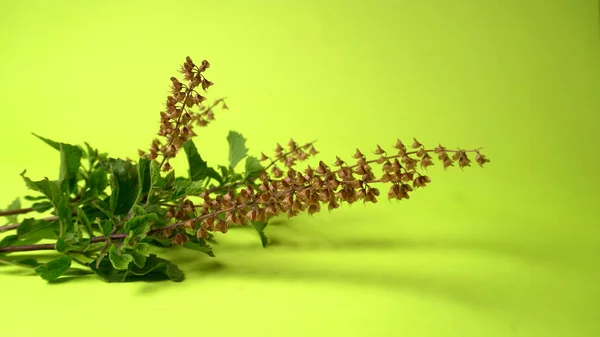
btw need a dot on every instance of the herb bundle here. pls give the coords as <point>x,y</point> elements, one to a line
<point>107,213</point>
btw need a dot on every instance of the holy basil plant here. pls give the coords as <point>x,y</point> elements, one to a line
<point>106,215</point>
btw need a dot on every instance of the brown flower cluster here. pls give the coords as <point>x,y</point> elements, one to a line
<point>178,120</point>
<point>289,158</point>
<point>294,192</point>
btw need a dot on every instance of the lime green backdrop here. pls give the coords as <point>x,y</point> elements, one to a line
<point>508,250</point>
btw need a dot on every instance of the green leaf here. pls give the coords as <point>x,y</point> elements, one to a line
<point>144,175</point>
<point>139,225</point>
<point>119,261</point>
<point>170,178</point>
<point>37,229</point>
<point>201,246</point>
<point>198,168</point>
<point>49,188</point>
<point>237,148</point>
<point>156,179</point>
<point>29,263</point>
<point>50,142</point>
<point>85,221</point>
<point>224,172</point>
<point>54,269</point>
<point>139,210</point>
<point>42,207</point>
<point>153,266</point>
<point>253,168</point>
<point>108,273</point>
<point>59,200</point>
<point>70,161</point>
<point>16,204</point>
<point>9,240</point>
<point>142,248</point>
<point>160,241</point>
<point>260,229</point>
<point>138,259</point>
<point>140,253</point>
<point>63,246</point>
<point>32,198</point>
<point>179,187</point>
<point>195,187</point>
<point>156,265</point>
<point>98,179</point>
<point>92,153</point>
<point>106,226</point>
<point>125,186</point>
<point>63,209</point>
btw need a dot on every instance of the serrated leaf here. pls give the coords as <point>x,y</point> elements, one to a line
<point>92,153</point>
<point>139,260</point>
<point>140,253</point>
<point>139,225</point>
<point>198,168</point>
<point>54,269</point>
<point>98,180</point>
<point>125,186</point>
<point>153,266</point>
<point>59,200</point>
<point>156,265</point>
<point>37,229</point>
<point>119,261</point>
<point>139,210</point>
<point>195,187</point>
<point>200,247</point>
<point>50,142</point>
<point>253,168</point>
<point>108,273</point>
<point>49,188</point>
<point>237,148</point>
<point>142,248</point>
<point>70,161</point>
<point>180,187</point>
<point>16,204</point>
<point>156,179</point>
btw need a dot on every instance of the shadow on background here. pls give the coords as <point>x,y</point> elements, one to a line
<point>284,260</point>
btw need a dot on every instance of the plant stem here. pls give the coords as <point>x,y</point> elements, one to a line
<point>15,226</point>
<point>28,210</point>
<point>51,246</point>
<point>16,211</point>
<point>8,227</point>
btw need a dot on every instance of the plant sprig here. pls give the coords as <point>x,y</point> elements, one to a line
<point>106,217</point>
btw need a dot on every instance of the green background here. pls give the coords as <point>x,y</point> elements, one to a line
<point>508,250</point>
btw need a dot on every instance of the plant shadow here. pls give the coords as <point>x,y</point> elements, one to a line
<point>244,261</point>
